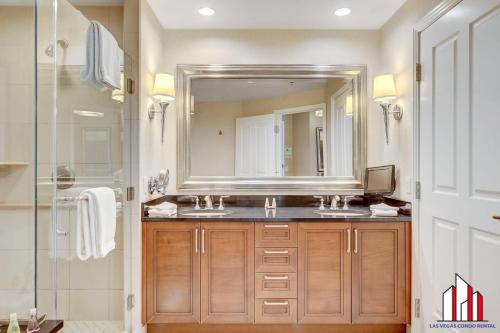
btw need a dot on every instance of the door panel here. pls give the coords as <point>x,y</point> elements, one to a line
<point>378,273</point>
<point>172,272</point>
<point>227,272</point>
<point>458,158</point>
<point>324,273</point>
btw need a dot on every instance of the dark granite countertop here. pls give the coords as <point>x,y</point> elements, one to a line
<point>282,214</point>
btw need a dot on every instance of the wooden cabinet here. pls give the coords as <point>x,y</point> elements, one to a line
<point>171,272</point>
<point>324,273</point>
<point>379,273</point>
<point>227,272</point>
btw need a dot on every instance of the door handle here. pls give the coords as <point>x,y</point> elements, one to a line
<point>276,226</point>
<point>278,278</point>
<point>203,241</point>
<point>59,232</point>
<point>349,241</point>
<point>267,303</point>
<point>355,241</point>
<point>276,252</point>
<point>196,240</point>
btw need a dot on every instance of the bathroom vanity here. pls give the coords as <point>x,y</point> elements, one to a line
<point>290,267</point>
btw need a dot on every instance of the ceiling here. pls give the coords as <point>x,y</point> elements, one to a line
<point>274,14</point>
<point>225,90</point>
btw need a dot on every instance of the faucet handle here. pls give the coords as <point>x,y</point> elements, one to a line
<point>221,201</point>
<point>346,201</point>
<point>321,201</point>
<point>197,201</point>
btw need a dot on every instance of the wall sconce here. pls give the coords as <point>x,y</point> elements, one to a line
<point>163,93</point>
<point>384,90</point>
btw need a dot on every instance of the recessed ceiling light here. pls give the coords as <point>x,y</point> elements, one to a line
<point>342,12</point>
<point>206,11</point>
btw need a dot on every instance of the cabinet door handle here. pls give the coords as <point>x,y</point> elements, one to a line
<point>203,241</point>
<point>196,240</point>
<point>276,226</point>
<point>348,240</point>
<point>285,303</point>
<point>356,241</point>
<point>278,278</point>
<point>276,252</point>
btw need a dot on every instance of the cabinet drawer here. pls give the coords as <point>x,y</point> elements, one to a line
<point>275,285</point>
<point>276,260</point>
<point>274,234</point>
<point>275,311</point>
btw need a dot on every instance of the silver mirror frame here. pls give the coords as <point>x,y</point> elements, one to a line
<point>186,183</point>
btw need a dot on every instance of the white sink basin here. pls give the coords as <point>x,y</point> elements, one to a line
<point>342,213</point>
<point>205,213</point>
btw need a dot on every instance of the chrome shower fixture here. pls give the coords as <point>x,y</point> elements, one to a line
<point>49,51</point>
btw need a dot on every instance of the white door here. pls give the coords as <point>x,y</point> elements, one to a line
<point>256,153</point>
<point>460,159</point>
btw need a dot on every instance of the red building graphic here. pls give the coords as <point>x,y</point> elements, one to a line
<point>460,303</point>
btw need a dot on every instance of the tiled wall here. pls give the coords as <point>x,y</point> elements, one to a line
<point>91,290</point>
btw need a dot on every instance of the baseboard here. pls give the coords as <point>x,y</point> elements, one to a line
<point>244,328</point>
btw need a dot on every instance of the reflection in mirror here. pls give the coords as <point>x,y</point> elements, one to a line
<point>271,127</point>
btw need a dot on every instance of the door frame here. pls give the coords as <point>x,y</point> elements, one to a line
<point>279,122</point>
<point>429,19</point>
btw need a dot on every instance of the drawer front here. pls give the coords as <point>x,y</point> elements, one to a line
<point>276,285</point>
<point>274,234</point>
<point>276,260</point>
<point>275,311</point>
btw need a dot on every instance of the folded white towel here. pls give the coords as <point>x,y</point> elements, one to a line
<point>386,213</point>
<point>96,223</point>
<point>383,206</point>
<point>161,212</point>
<point>164,205</point>
<point>102,58</point>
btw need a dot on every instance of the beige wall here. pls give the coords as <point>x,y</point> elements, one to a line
<point>265,47</point>
<point>109,16</point>
<point>396,56</point>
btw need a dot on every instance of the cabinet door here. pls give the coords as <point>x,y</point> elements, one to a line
<point>324,274</point>
<point>172,272</point>
<point>378,273</point>
<point>227,272</point>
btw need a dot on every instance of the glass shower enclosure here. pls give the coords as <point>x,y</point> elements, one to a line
<point>58,137</point>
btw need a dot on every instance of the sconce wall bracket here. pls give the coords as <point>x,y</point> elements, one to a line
<point>163,111</point>
<point>397,113</point>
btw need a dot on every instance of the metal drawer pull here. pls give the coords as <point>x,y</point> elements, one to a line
<point>276,252</point>
<point>196,241</point>
<point>276,226</point>
<point>276,303</point>
<point>496,217</point>
<point>203,241</point>
<point>356,241</point>
<point>348,241</point>
<point>276,277</point>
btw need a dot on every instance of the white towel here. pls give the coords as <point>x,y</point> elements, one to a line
<point>383,206</point>
<point>96,223</point>
<point>165,209</point>
<point>385,213</point>
<point>102,58</point>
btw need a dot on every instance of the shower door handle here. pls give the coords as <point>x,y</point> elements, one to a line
<point>59,232</point>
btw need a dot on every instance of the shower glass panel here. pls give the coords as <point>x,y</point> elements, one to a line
<point>80,146</point>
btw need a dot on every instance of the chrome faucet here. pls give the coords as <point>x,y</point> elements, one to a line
<point>208,202</point>
<point>346,201</point>
<point>335,202</point>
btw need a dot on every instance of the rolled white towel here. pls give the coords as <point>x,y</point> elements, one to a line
<point>161,212</point>
<point>383,206</point>
<point>385,213</point>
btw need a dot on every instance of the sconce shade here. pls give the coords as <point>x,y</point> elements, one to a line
<point>384,88</point>
<point>164,87</point>
<point>348,106</point>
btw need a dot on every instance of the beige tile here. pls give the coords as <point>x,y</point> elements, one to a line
<point>15,301</point>
<point>17,269</point>
<point>46,303</point>
<point>116,269</point>
<point>116,304</point>
<point>18,181</point>
<point>17,229</point>
<point>90,274</point>
<point>88,305</point>
<point>46,266</point>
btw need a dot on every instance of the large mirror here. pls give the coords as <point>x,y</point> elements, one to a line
<point>271,127</point>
